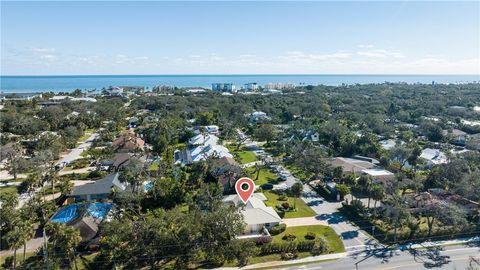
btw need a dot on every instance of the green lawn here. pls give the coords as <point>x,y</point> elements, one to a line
<point>265,176</point>
<point>243,156</point>
<point>9,189</point>
<point>303,210</point>
<point>19,257</point>
<point>326,232</point>
<point>297,172</point>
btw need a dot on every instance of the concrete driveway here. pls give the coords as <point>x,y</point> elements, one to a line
<point>353,237</point>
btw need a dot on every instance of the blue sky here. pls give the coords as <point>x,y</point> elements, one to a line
<point>118,37</point>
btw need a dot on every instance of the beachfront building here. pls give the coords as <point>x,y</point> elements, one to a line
<point>279,86</point>
<point>224,87</point>
<point>250,86</point>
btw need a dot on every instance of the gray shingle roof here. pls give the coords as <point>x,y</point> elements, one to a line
<point>102,186</point>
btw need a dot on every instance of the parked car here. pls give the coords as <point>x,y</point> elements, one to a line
<point>267,186</point>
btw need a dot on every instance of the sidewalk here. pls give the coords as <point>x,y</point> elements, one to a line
<point>290,262</point>
<point>305,221</point>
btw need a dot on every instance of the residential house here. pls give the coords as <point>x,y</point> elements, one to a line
<point>226,171</point>
<point>98,190</point>
<point>133,122</point>
<point>128,141</point>
<point>388,144</point>
<point>305,135</point>
<point>433,157</point>
<point>362,166</point>
<point>457,136</point>
<point>211,129</point>
<point>86,217</point>
<point>258,217</point>
<point>258,116</point>
<point>201,147</point>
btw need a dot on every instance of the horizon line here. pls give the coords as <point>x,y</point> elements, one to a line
<point>250,74</point>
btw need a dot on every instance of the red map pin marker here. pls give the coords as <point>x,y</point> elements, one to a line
<point>244,188</point>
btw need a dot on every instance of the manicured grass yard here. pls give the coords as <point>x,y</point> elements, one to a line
<point>243,156</point>
<point>303,210</point>
<point>326,232</point>
<point>9,189</point>
<point>264,177</point>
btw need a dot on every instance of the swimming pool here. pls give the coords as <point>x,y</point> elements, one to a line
<point>148,186</point>
<point>97,210</point>
<point>65,214</point>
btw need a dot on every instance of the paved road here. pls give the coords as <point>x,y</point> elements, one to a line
<point>457,257</point>
<point>71,156</point>
<point>77,151</point>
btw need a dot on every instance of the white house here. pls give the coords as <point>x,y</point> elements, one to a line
<point>201,147</point>
<point>433,156</point>
<point>258,116</point>
<point>256,214</point>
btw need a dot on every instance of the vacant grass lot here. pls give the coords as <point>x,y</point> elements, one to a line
<point>303,210</point>
<point>326,232</point>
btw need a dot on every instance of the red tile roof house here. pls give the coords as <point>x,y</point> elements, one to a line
<point>128,142</point>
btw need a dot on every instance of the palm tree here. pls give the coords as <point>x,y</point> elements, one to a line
<point>296,190</point>
<point>26,233</point>
<point>14,240</point>
<point>66,186</point>
<point>65,239</point>
<point>377,195</point>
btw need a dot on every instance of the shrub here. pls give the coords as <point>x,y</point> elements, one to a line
<point>305,245</point>
<point>289,237</point>
<point>288,255</point>
<point>278,229</point>
<point>286,205</point>
<point>265,239</point>
<point>310,236</point>
<point>320,247</point>
<point>282,197</point>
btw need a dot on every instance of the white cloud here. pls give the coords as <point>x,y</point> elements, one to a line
<point>43,50</point>
<point>365,46</point>
<point>380,53</point>
<point>352,60</point>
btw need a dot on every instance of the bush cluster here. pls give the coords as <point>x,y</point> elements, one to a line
<point>278,229</point>
<point>316,247</point>
<point>310,236</point>
<point>289,237</point>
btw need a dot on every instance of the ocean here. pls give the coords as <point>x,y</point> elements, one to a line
<point>23,84</point>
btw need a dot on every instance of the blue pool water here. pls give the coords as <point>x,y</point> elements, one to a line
<point>148,186</point>
<point>97,210</point>
<point>66,214</point>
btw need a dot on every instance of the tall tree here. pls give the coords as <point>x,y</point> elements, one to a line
<point>296,190</point>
